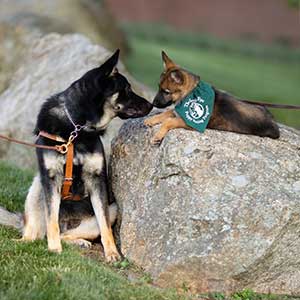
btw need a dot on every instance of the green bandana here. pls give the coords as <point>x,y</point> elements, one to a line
<point>197,107</point>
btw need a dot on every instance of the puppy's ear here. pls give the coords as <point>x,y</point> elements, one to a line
<point>108,67</point>
<point>167,62</point>
<point>177,77</point>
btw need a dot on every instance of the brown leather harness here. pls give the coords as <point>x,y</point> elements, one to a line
<point>68,149</point>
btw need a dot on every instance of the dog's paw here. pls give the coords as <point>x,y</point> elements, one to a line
<point>25,239</point>
<point>112,256</point>
<point>54,246</point>
<point>157,139</point>
<point>150,122</point>
<point>84,244</point>
<point>22,239</point>
<point>55,250</point>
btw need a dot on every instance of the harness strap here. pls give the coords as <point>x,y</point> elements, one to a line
<point>68,179</point>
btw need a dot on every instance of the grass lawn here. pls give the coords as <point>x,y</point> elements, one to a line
<point>246,77</point>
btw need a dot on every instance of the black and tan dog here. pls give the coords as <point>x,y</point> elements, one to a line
<point>90,103</point>
<point>228,114</point>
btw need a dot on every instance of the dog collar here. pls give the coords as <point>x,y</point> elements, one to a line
<point>77,128</point>
<point>197,107</point>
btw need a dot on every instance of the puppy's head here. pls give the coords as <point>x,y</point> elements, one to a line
<point>175,83</point>
<point>113,91</point>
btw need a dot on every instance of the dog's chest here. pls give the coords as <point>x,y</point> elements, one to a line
<point>91,163</point>
<point>87,163</point>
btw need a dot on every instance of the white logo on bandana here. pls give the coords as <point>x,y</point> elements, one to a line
<point>196,112</point>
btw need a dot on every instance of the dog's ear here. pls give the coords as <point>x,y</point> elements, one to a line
<point>168,63</point>
<point>177,76</point>
<point>109,67</point>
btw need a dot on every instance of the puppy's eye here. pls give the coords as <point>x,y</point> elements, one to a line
<point>167,92</point>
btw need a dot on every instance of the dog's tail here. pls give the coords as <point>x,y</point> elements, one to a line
<point>11,219</point>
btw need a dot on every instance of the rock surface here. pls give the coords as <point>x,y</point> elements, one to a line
<point>212,212</point>
<point>13,44</point>
<point>52,63</point>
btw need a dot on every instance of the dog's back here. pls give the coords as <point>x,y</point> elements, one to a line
<point>231,114</point>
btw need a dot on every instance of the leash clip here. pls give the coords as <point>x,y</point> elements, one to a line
<point>63,149</point>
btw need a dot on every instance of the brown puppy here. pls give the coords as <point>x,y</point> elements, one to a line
<point>229,113</point>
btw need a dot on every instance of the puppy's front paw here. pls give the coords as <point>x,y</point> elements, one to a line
<point>157,139</point>
<point>151,121</point>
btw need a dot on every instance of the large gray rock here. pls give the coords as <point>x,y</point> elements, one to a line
<point>13,44</point>
<point>212,212</point>
<point>89,17</point>
<point>22,19</point>
<point>52,63</point>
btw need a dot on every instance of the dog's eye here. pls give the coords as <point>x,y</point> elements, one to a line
<point>167,92</point>
<point>118,107</point>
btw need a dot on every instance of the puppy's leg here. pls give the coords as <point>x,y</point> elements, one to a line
<point>159,118</point>
<point>35,223</point>
<point>95,179</point>
<point>167,125</point>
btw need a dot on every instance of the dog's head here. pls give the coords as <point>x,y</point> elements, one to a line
<point>175,83</point>
<point>113,95</point>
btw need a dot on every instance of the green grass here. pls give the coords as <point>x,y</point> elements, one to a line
<point>14,187</point>
<point>29,271</point>
<point>244,76</point>
<point>247,45</point>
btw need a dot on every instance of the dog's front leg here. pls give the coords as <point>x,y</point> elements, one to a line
<point>95,180</point>
<point>51,170</point>
<point>168,124</point>
<point>159,118</point>
<point>53,197</point>
<point>34,223</point>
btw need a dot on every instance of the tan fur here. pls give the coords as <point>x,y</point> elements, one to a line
<point>110,249</point>
<point>35,213</point>
<point>178,88</point>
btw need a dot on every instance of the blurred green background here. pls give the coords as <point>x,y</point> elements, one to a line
<point>247,69</point>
